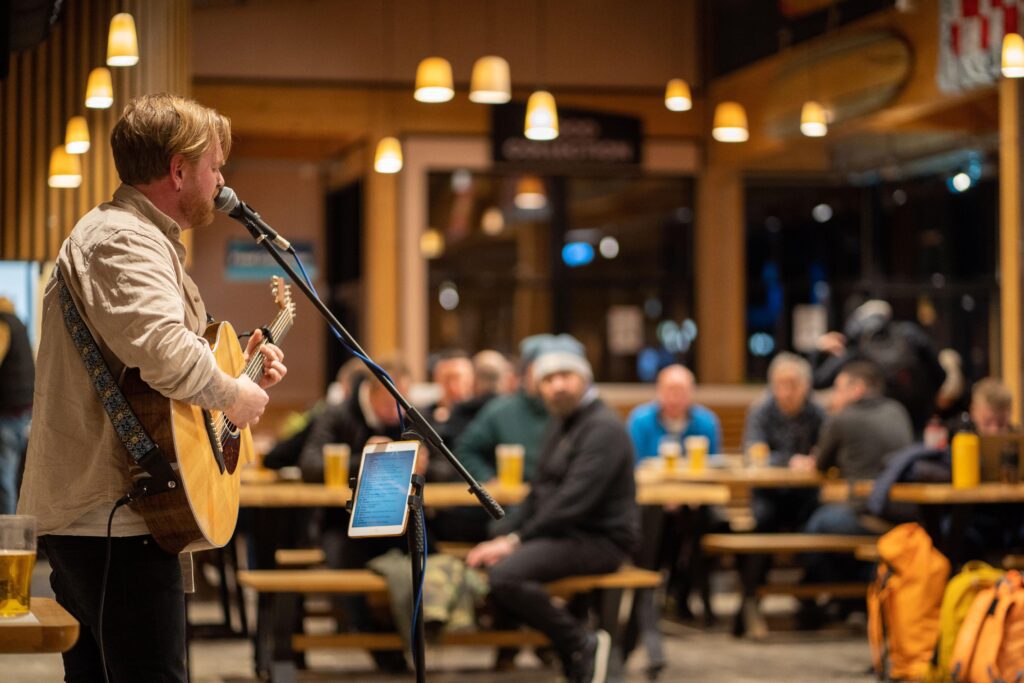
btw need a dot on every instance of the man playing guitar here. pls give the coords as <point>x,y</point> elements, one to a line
<point>123,265</point>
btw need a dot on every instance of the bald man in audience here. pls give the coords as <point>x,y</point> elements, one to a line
<point>672,415</point>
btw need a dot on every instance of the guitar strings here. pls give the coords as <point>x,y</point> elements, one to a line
<point>254,368</point>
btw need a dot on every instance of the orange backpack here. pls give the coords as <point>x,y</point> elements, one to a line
<point>990,645</point>
<point>903,603</point>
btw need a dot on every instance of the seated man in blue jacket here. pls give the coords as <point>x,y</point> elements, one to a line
<point>672,415</point>
<point>580,517</point>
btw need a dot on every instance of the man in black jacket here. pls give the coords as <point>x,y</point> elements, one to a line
<point>580,517</point>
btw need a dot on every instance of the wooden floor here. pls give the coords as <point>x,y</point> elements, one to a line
<point>695,656</point>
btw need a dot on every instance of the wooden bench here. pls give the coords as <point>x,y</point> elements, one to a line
<point>292,558</point>
<point>298,557</point>
<point>748,619</point>
<point>275,640</point>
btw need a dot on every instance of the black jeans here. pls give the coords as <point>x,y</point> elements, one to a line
<point>517,583</point>
<point>144,612</point>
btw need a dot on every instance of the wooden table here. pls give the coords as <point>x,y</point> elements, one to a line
<point>56,630</point>
<point>290,495</point>
<point>744,477</point>
<point>945,494</point>
<point>938,501</point>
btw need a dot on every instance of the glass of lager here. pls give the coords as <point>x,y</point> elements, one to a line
<point>17,558</point>
<point>336,457</point>
<point>510,458</point>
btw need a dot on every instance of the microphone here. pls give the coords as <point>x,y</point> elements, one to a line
<point>228,202</point>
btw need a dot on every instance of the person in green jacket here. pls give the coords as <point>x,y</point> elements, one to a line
<point>518,418</point>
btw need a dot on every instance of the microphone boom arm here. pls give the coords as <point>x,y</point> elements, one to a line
<point>260,232</point>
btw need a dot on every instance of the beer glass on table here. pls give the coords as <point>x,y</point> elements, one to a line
<point>17,559</point>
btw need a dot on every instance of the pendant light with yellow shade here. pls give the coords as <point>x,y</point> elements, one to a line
<point>541,112</point>
<point>491,82</point>
<point>388,156</point>
<point>434,74</point>
<point>76,137</point>
<point>122,41</point>
<point>730,123</point>
<point>1013,56</point>
<point>65,169</point>
<point>677,91</point>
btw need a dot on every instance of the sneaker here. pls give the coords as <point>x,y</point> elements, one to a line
<point>591,663</point>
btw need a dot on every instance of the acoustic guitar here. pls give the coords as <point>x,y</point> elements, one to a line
<point>202,446</point>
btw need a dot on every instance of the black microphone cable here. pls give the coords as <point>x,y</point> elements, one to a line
<point>124,500</point>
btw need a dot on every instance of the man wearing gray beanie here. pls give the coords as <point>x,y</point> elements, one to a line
<point>580,517</point>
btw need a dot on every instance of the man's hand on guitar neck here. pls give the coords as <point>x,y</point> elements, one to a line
<point>273,359</point>
<point>250,400</point>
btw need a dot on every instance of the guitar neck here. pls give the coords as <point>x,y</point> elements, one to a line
<point>280,326</point>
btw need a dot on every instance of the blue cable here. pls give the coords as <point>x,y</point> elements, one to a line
<point>305,276</point>
<point>423,521</point>
<point>423,574</point>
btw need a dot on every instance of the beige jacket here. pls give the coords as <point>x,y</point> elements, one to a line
<point>124,265</point>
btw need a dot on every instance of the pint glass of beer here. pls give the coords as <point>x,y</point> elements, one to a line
<point>510,463</point>
<point>17,558</point>
<point>336,457</point>
<point>697,452</point>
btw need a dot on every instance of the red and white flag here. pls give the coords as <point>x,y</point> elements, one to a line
<point>971,39</point>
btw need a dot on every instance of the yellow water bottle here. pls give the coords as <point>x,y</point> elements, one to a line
<point>966,459</point>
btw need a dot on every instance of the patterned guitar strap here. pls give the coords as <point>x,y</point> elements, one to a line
<point>141,448</point>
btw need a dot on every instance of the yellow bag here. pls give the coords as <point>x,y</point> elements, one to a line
<point>956,601</point>
<point>903,603</point>
<point>990,645</point>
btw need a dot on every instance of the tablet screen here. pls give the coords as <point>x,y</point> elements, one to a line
<point>383,490</point>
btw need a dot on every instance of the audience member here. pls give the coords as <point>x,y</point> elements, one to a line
<point>17,380</point>
<point>490,371</point>
<point>518,418</point>
<point>370,413</point>
<point>991,407</point>
<point>902,350</point>
<point>672,415</point>
<point>297,427</point>
<point>452,372</point>
<point>865,429</point>
<point>580,517</point>
<point>788,422</point>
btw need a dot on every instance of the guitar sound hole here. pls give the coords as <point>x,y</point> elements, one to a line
<point>231,447</point>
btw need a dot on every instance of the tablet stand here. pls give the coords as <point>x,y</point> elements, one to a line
<point>415,533</point>
<point>416,536</point>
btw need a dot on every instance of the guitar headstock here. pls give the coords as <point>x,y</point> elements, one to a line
<point>282,294</point>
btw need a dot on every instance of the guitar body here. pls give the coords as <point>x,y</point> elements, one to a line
<point>203,511</point>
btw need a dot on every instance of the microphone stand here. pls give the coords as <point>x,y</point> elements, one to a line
<point>419,425</point>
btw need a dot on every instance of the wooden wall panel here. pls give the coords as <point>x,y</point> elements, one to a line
<point>46,87</point>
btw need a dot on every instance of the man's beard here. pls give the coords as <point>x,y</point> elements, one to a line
<point>562,404</point>
<point>198,210</point>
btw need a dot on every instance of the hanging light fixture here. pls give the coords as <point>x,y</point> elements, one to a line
<point>1013,55</point>
<point>813,120</point>
<point>493,221</point>
<point>99,92</point>
<point>730,124</point>
<point>541,116</point>
<point>389,156</point>
<point>65,169</point>
<point>122,41</point>
<point>530,194</point>
<point>76,139</point>
<point>434,80</point>
<point>677,95</point>
<point>491,82</point>
<point>432,244</point>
